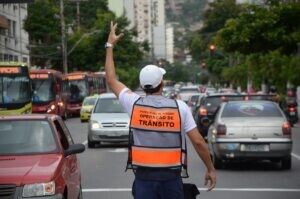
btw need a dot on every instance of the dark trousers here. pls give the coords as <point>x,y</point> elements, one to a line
<point>155,189</point>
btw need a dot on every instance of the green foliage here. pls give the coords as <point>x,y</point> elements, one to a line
<point>90,53</point>
<point>88,12</point>
<point>87,43</point>
<point>42,22</point>
<point>218,13</point>
<point>178,72</point>
<point>262,29</point>
<point>259,42</point>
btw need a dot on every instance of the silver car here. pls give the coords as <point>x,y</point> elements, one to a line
<point>250,130</point>
<point>109,122</point>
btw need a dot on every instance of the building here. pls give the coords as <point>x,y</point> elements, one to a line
<point>14,40</point>
<point>148,17</point>
<point>123,7</point>
<point>170,43</point>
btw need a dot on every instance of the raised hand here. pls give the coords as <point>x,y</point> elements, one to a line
<point>112,37</point>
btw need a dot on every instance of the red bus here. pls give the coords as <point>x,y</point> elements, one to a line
<point>47,96</point>
<point>78,85</point>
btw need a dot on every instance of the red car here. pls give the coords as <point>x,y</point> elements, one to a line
<point>38,158</point>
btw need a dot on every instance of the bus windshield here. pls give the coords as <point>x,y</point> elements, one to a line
<point>43,90</point>
<point>78,90</point>
<point>14,89</point>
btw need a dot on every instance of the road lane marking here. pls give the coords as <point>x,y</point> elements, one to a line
<point>202,189</point>
<point>296,156</point>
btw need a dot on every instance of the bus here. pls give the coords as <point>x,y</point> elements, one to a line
<point>47,96</point>
<point>15,88</point>
<point>78,85</point>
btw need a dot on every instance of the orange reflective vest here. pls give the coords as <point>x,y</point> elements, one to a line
<point>156,138</point>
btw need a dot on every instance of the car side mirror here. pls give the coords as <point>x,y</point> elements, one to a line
<point>74,149</point>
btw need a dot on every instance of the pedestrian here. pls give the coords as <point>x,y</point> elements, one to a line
<point>157,147</point>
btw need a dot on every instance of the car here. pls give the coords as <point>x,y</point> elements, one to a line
<point>250,130</point>
<point>186,91</point>
<point>194,101</point>
<point>208,107</point>
<point>38,158</point>
<point>109,122</point>
<point>209,90</point>
<point>86,108</point>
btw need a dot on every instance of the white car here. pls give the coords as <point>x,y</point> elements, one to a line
<point>186,91</point>
<point>109,122</point>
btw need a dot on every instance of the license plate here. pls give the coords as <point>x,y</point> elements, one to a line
<point>255,147</point>
<point>292,113</point>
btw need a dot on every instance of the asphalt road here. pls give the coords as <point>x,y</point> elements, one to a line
<point>104,176</point>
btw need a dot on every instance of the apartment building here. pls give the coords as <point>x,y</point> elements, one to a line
<point>14,40</point>
<point>148,17</point>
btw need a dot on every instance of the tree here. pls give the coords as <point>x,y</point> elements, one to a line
<point>215,17</point>
<point>267,37</point>
<point>42,24</point>
<point>88,53</point>
<point>261,29</point>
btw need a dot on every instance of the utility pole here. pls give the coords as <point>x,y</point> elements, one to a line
<point>63,38</point>
<point>77,11</point>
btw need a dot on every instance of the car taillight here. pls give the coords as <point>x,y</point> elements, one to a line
<point>221,129</point>
<point>286,129</point>
<point>203,111</point>
<point>292,109</point>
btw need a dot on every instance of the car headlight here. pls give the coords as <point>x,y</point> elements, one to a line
<point>39,189</point>
<point>95,125</point>
<point>52,107</point>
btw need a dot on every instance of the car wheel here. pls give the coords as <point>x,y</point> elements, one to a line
<point>217,162</point>
<point>91,144</point>
<point>80,193</point>
<point>286,163</point>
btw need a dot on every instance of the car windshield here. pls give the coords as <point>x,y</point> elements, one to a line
<point>78,89</point>
<point>89,101</point>
<point>109,105</point>
<point>26,137</point>
<point>214,102</point>
<point>251,110</point>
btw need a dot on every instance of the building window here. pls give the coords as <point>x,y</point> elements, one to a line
<point>16,58</point>
<point>11,58</point>
<point>14,25</point>
<point>9,27</point>
<point>25,59</point>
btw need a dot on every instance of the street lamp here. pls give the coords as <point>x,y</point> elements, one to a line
<point>81,38</point>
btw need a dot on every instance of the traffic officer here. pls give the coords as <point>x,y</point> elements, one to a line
<point>157,152</point>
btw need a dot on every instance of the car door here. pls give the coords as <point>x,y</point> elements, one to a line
<point>71,169</point>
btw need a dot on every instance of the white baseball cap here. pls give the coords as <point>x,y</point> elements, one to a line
<point>151,75</point>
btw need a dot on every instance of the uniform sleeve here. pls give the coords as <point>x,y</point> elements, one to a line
<point>188,121</point>
<point>127,99</point>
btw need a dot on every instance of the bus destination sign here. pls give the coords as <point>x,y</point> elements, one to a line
<point>39,76</point>
<point>5,70</point>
